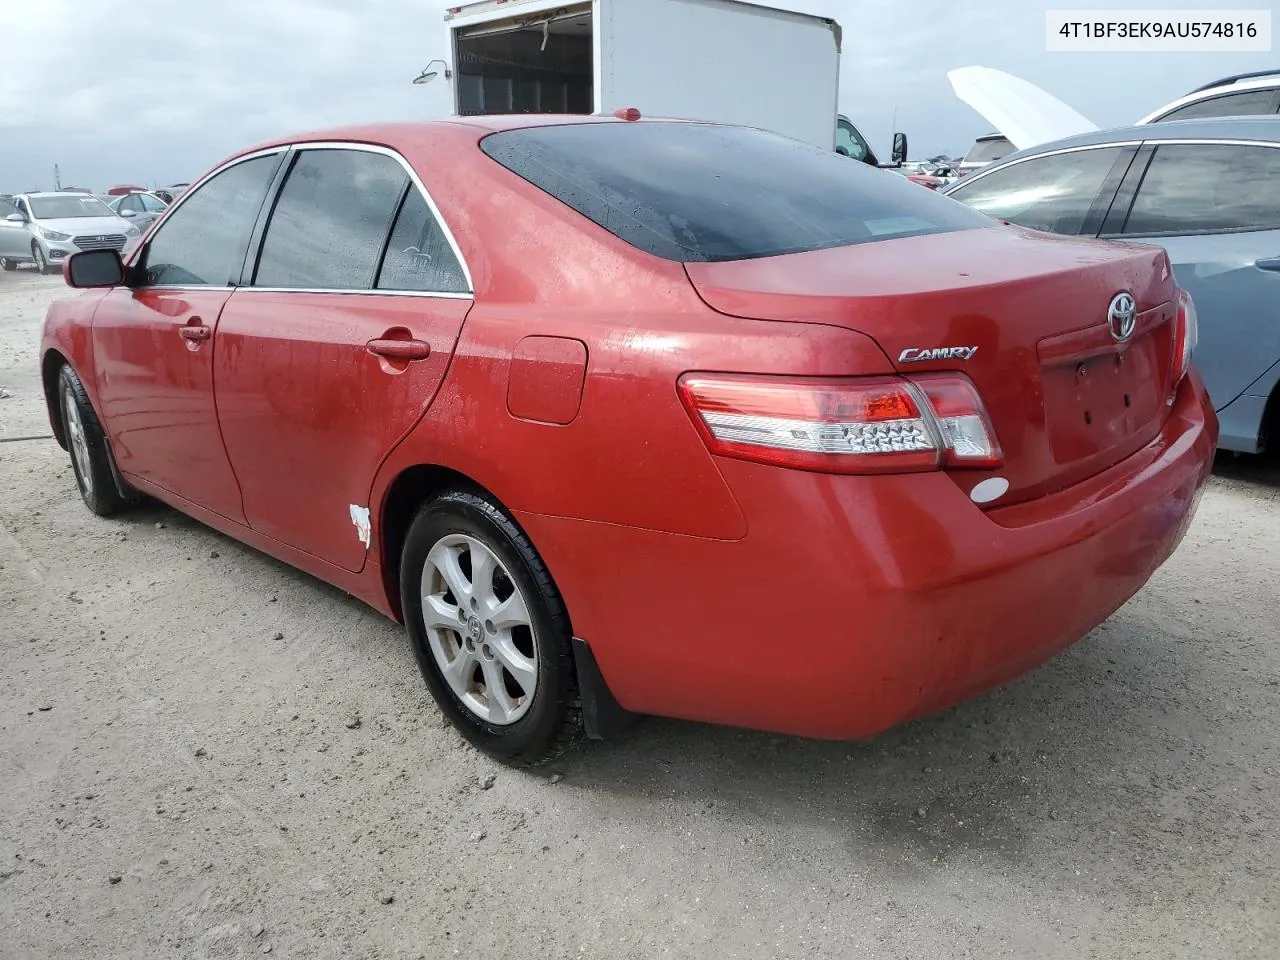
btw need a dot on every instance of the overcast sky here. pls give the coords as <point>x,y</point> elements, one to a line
<point>156,91</point>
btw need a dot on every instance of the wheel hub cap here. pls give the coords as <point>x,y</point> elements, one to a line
<point>479,630</point>
<point>79,445</point>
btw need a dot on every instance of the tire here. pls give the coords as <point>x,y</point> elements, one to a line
<point>532,646</point>
<point>8,264</point>
<point>90,452</point>
<point>42,262</point>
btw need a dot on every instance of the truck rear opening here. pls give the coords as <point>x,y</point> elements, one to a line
<point>725,61</point>
<point>529,62</point>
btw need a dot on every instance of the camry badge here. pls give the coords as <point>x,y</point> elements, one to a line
<point>1122,316</point>
<point>917,355</point>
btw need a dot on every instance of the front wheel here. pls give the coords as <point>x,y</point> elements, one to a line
<point>42,262</point>
<point>489,630</point>
<point>90,453</point>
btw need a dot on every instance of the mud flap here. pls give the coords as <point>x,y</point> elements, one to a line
<point>602,715</point>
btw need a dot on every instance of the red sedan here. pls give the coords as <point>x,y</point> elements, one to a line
<point>645,417</point>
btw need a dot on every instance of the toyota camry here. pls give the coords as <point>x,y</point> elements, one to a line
<point>626,416</point>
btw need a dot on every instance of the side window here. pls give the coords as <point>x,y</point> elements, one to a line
<point>131,202</point>
<point>330,224</point>
<point>1247,104</point>
<point>150,204</point>
<point>204,240</point>
<point>419,256</point>
<point>1203,188</point>
<point>1051,193</point>
<point>848,143</point>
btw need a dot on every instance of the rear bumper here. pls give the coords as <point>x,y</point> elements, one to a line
<point>855,603</point>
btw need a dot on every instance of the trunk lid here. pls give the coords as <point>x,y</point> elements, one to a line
<point>1022,314</point>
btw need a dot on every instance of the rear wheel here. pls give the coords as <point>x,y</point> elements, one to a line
<point>489,630</point>
<point>8,263</point>
<point>90,453</point>
<point>42,262</point>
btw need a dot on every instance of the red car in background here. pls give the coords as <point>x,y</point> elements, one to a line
<point>660,417</point>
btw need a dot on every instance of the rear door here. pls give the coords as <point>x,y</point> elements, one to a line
<point>1214,208</point>
<point>338,345</point>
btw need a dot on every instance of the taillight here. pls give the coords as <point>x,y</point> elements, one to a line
<point>968,439</point>
<point>1186,336</point>
<point>863,425</point>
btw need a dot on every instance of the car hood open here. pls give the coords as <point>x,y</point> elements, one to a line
<point>1021,111</point>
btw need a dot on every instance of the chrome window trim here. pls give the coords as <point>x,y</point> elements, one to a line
<point>1241,86</point>
<point>434,294</point>
<point>415,180</point>
<point>1151,142</point>
<point>175,286</point>
<point>469,294</point>
<point>356,292</point>
<point>999,165</point>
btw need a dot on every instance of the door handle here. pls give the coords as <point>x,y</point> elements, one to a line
<point>1272,263</point>
<point>195,330</point>
<point>400,349</point>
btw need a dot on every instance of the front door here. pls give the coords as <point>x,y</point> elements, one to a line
<point>154,341</point>
<point>1202,202</point>
<point>335,351</point>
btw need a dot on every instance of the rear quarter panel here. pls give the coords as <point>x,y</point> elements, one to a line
<point>631,456</point>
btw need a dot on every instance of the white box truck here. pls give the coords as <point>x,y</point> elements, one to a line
<point>729,61</point>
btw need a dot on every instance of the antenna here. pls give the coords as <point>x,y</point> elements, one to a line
<point>57,178</point>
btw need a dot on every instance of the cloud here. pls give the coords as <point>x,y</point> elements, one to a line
<point>156,90</point>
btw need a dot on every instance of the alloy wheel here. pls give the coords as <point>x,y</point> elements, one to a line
<point>479,629</point>
<point>42,265</point>
<point>77,440</point>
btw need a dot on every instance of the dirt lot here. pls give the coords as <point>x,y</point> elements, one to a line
<point>207,754</point>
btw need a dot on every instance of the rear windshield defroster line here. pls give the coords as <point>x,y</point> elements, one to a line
<point>698,192</point>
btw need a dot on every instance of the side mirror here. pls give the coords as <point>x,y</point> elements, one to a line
<point>16,218</point>
<point>127,213</point>
<point>899,155</point>
<point>94,268</point>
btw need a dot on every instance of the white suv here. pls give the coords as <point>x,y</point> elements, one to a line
<point>1245,95</point>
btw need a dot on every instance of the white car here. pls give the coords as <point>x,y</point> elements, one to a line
<point>46,228</point>
<point>1244,95</point>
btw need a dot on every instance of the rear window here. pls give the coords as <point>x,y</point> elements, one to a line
<point>695,192</point>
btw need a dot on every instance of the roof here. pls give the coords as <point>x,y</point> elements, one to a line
<point>1265,129</point>
<point>1236,79</point>
<point>403,132</point>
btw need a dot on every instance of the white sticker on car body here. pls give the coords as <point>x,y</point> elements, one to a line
<point>360,518</point>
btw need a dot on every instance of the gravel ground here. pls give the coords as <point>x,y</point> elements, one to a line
<point>208,754</point>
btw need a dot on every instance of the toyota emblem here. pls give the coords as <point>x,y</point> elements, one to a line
<point>1122,316</point>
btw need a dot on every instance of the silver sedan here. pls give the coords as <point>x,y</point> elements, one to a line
<point>46,228</point>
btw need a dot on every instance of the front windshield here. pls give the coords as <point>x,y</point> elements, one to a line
<point>68,207</point>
